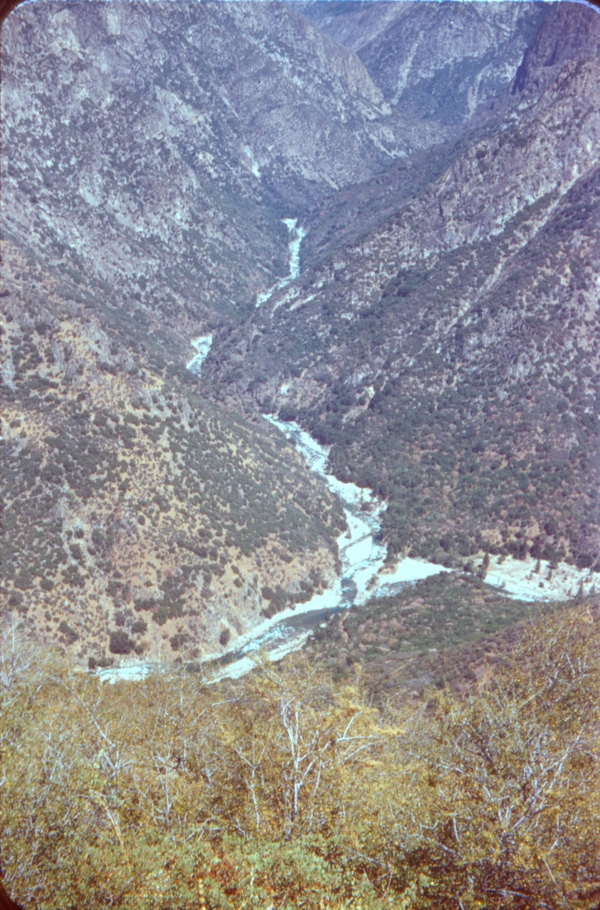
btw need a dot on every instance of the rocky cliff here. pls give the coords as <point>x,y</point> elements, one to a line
<point>160,145</point>
<point>434,63</point>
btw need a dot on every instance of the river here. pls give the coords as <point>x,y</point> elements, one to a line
<point>363,575</point>
<point>362,555</point>
<point>202,346</point>
<point>297,235</point>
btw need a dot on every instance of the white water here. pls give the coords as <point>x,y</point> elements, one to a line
<point>202,346</point>
<point>363,576</point>
<point>362,558</point>
<point>114,674</point>
<point>361,554</point>
<point>297,235</point>
<point>526,579</point>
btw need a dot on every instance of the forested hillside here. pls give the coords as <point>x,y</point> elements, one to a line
<point>137,517</point>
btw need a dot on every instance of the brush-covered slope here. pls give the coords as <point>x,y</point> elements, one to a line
<point>137,516</point>
<point>450,354</point>
<point>155,147</point>
<point>288,789</point>
<point>447,627</point>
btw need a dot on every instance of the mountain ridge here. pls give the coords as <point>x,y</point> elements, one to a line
<point>481,232</point>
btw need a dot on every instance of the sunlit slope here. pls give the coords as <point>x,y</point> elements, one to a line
<point>447,628</point>
<point>450,354</point>
<point>288,789</point>
<point>131,506</point>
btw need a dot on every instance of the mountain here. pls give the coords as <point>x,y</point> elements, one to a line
<point>160,146</point>
<point>379,220</point>
<point>434,63</point>
<point>449,353</point>
<point>137,516</point>
<point>441,335</point>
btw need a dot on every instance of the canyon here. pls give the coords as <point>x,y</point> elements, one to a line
<point>368,227</point>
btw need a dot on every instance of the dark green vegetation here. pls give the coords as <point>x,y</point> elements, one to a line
<point>437,437</point>
<point>287,789</point>
<point>420,636</point>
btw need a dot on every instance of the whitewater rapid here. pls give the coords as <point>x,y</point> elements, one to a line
<point>363,574</point>
<point>362,557</point>
<point>362,553</point>
<point>297,235</point>
<point>202,346</point>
